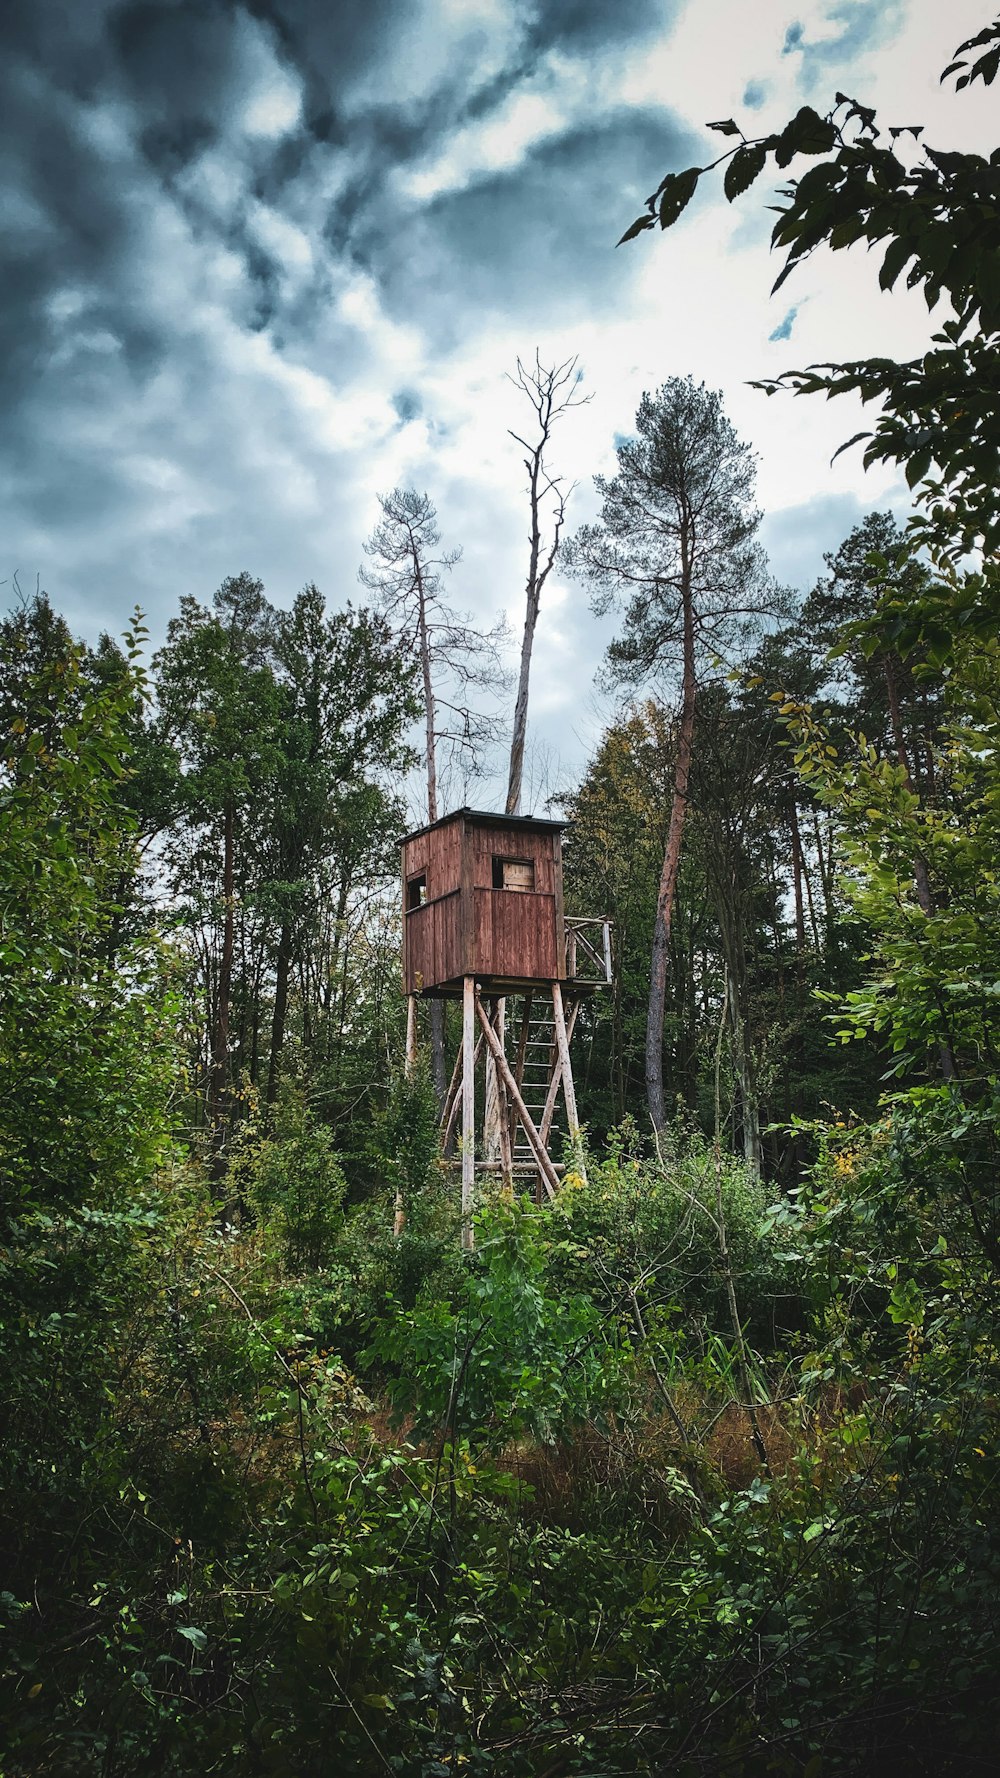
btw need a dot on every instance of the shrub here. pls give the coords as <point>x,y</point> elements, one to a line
<point>296,1185</point>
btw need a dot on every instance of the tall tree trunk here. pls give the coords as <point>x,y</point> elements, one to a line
<point>753,1152</point>
<point>425,669</point>
<point>220,1035</point>
<point>439,1072</point>
<point>921,879</point>
<point>533,595</point>
<point>891,678</point>
<point>282,970</point>
<point>800,912</point>
<point>826,875</point>
<point>668,879</point>
<point>521,703</point>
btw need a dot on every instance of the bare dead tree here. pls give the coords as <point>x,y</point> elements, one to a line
<point>550,391</point>
<point>455,659</point>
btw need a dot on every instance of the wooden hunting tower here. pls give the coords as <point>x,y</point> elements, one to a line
<point>483,921</point>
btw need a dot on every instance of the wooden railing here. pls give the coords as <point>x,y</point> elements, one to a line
<point>588,948</point>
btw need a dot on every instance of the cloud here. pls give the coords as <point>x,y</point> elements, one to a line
<point>590,25</point>
<point>844,32</point>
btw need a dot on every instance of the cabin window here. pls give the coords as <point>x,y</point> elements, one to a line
<point>416,891</point>
<point>513,873</point>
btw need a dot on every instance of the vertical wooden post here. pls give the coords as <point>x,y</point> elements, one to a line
<point>399,1219</point>
<point>562,1045</point>
<point>468,1109</point>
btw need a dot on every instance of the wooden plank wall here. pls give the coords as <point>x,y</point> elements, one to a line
<point>433,952</point>
<point>432,934</point>
<point>515,934</point>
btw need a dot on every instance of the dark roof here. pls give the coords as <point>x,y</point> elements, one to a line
<point>484,818</point>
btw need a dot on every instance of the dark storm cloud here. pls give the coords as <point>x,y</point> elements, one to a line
<point>591,24</point>
<point>536,240</point>
<point>179,67</point>
<point>68,223</point>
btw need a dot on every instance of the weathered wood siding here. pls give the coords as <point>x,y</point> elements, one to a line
<point>515,935</point>
<point>433,943</point>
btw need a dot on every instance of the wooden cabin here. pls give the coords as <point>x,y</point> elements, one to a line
<point>483,897</point>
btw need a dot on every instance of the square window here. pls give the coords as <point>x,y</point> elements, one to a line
<point>416,891</point>
<point>513,873</point>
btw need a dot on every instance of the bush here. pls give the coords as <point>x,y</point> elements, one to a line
<point>504,1354</point>
<point>651,1225</point>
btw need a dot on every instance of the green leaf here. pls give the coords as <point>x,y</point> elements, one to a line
<point>807,133</point>
<point>676,193</point>
<point>726,128</point>
<point>743,169</point>
<point>636,228</point>
<point>918,466</point>
<point>193,1635</point>
<point>897,254</point>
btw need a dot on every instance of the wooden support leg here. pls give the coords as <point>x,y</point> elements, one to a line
<point>469,1005</point>
<point>492,1146</point>
<point>545,1126</point>
<point>562,1045</point>
<point>453,1103</point>
<point>399,1218</point>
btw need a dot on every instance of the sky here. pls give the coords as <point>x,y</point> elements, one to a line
<point>264,260</point>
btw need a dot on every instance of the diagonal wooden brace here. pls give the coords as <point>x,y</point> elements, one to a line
<point>550,1177</point>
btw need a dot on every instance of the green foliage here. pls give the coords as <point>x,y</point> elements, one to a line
<point>504,1356</point>
<point>563,1520</point>
<point>648,1227</point>
<point>86,1036</point>
<point>408,1138</point>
